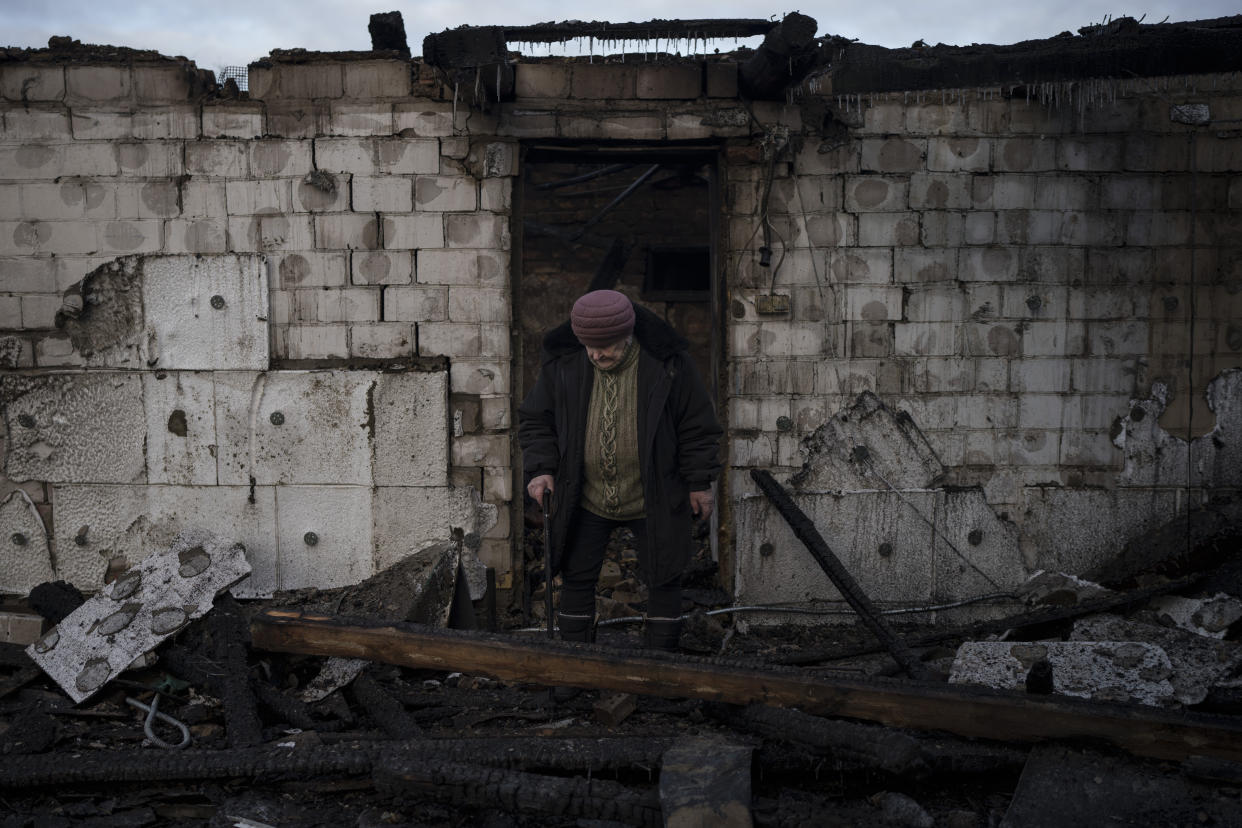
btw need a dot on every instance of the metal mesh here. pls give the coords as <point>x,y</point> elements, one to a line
<point>240,75</point>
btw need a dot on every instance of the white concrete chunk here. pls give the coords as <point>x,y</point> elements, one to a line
<point>1109,671</point>
<point>206,312</point>
<point>25,561</point>
<point>411,446</point>
<point>74,427</point>
<point>1211,617</point>
<point>325,536</point>
<point>181,428</point>
<point>137,611</point>
<point>294,427</point>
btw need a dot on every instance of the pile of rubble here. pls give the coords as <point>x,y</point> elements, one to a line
<point>162,700</point>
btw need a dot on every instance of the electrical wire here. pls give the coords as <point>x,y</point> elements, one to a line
<point>780,608</point>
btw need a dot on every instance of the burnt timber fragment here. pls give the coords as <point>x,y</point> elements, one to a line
<point>1142,50</point>
<point>518,791</point>
<point>971,712</point>
<point>387,31</point>
<point>475,60</point>
<point>787,54</point>
<point>806,532</point>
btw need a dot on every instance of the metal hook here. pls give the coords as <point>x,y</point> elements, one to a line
<point>153,713</point>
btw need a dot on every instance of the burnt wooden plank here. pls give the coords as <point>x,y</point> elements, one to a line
<point>972,712</point>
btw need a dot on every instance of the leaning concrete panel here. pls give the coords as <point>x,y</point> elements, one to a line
<point>878,536</point>
<point>411,444</point>
<point>976,552</point>
<point>409,519</point>
<point>294,427</point>
<point>141,608</point>
<point>206,312</point>
<point>1077,530</point>
<point>95,525</point>
<point>867,446</point>
<point>74,427</point>
<point>324,535</point>
<point>181,427</point>
<point>25,561</point>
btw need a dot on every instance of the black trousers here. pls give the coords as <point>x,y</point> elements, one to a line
<point>584,557</point>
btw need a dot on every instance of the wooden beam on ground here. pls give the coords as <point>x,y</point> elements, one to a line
<point>971,712</point>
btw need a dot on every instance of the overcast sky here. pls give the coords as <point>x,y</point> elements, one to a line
<point>218,33</point>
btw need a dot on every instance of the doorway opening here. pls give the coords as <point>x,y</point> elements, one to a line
<point>640,220</point>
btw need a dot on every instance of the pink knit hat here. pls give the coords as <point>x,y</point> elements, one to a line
<point>602,317</point>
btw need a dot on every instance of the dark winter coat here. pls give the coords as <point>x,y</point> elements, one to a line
<point>678,438</point>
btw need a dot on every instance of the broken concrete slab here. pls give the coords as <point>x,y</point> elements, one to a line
<point>1154,457</point>
<point>74,427</point>
<point>867,446</point>
<point>1058,589</point>
<point>1108,671</point>
<point>25,560</point>
<point>1211,616</point>
<point>1198,662</point>
<point>137,611</point>
<point>705,782</point>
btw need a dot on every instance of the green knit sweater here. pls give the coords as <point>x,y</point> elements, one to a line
<point>613,486</point>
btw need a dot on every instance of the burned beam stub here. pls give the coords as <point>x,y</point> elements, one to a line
<point>387,31</point>
<point>475,60</point>
<point>787,54</point>
<point>651,30</point>
<point>1139,51</point>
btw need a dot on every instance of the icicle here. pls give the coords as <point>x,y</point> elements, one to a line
<point>497,83</point>
<point>455,85</point>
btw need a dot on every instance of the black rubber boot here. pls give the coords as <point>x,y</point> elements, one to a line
<point>662,633</point>
<point>576,627</point>
<point>573,628</point>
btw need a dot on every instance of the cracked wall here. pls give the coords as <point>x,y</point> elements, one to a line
<point>1019,273</point>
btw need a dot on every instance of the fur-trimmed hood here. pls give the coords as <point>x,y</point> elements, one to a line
<point>654,335</point>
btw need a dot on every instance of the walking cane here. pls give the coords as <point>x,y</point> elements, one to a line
<point>547,565</point>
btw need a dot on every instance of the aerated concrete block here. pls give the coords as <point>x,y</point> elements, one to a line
<point>74,428</point>
<point>324,536</point>
<point>294,427</point>
<point>410,446</point>
<point>206,312</point>
<point>181,428</point>
<point>25,559</point>
<point>137,611</point>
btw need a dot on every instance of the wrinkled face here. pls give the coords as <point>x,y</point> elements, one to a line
<point>609,355</point>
